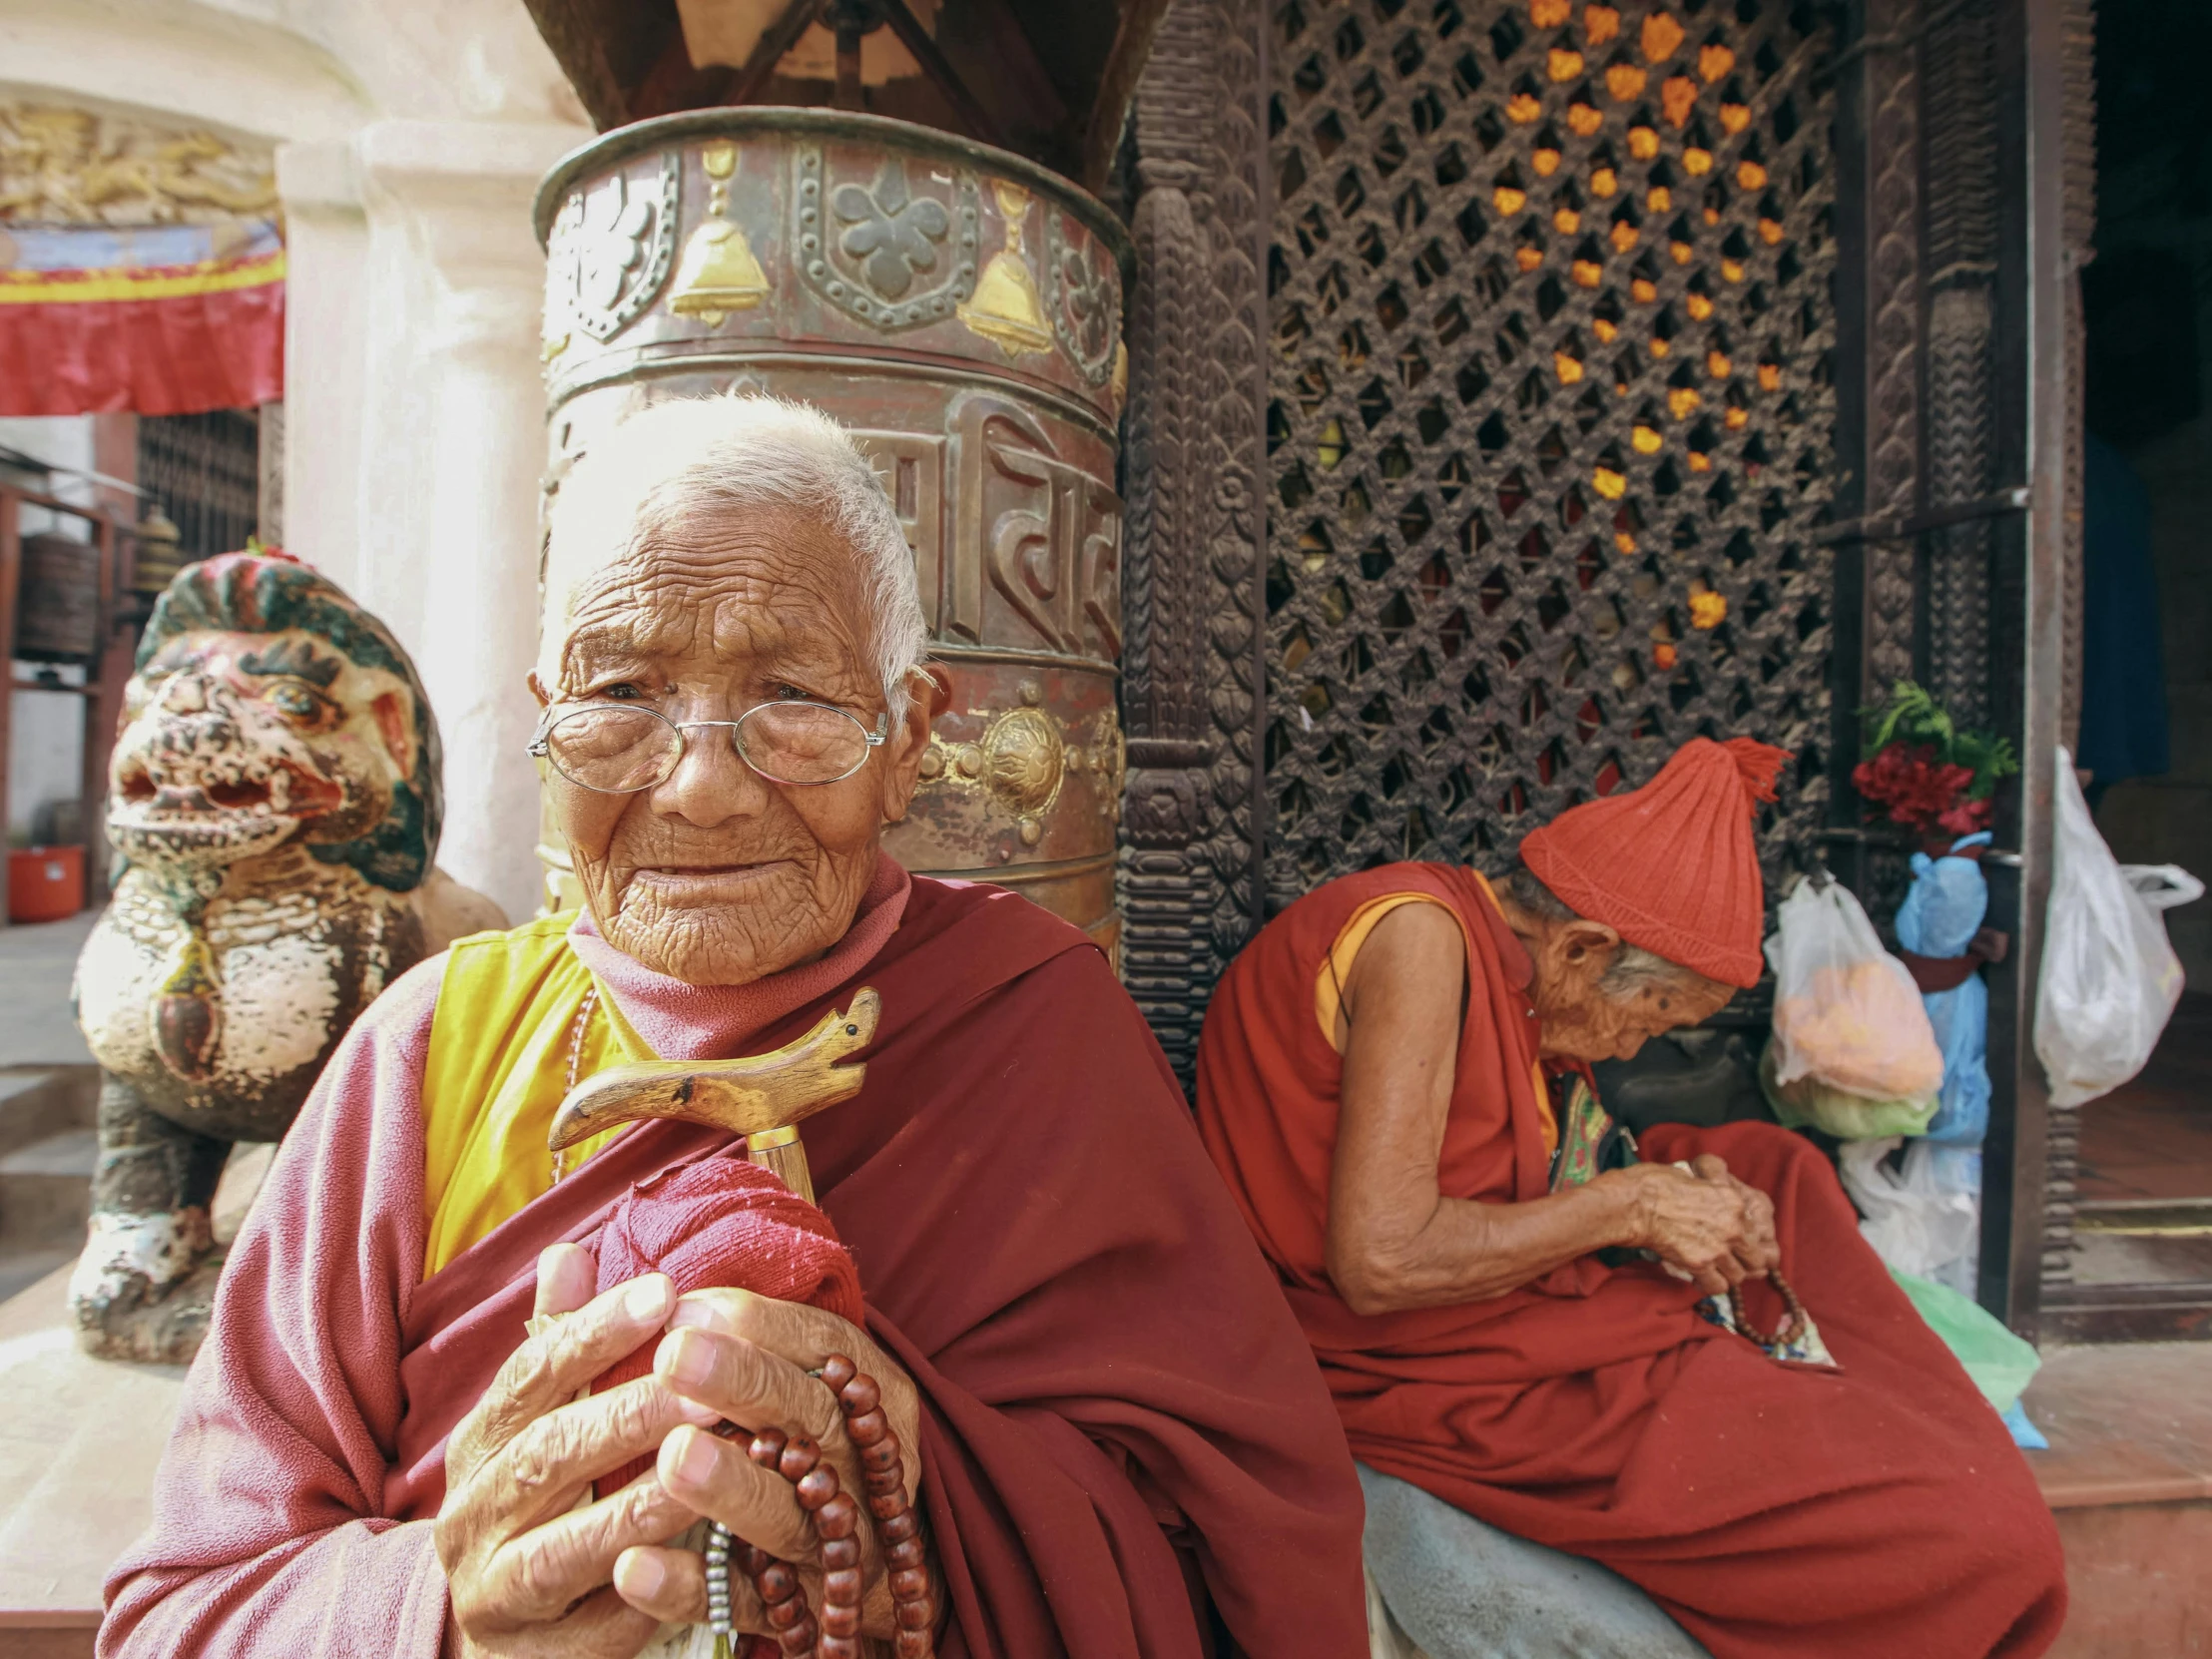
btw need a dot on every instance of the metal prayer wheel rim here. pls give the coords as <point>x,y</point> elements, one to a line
<point>641,136</point>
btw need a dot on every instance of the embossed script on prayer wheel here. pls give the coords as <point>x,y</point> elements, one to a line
<point>959,308</point>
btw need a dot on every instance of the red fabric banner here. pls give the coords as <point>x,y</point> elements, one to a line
<point>156,339</point>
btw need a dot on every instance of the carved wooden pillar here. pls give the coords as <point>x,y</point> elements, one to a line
<point>1194,458</point>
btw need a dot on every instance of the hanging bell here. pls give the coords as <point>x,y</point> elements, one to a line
<point>719,274</point>
<point>1006,307</point>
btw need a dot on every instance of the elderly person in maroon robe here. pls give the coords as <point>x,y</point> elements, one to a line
<point>1122,1445</point>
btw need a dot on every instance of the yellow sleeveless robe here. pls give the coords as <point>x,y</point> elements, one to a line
<point>497,1071</point>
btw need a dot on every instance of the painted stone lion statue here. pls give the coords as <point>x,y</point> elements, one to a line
<point>274,799</point>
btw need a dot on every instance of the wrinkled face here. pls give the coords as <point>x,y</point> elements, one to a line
<point>234,743</point>
<point>718,877</point>
<point>1584,1019</point>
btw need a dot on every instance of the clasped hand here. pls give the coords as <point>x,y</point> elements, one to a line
<point>533,1570</point>
<point>1708,1224</point>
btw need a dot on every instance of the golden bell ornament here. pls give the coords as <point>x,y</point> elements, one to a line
<point>1006,308</point>
<point>719,274</point>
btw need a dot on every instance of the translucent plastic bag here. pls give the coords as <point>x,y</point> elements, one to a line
<point>2111,977</point>
<point>2001,1363</point>
<point>1849,1025</point>
<point>1918,1221</point>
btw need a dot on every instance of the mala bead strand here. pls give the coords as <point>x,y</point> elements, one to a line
<point>836,1515</point>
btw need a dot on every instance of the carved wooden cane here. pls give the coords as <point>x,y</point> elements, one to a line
<point>764,1097</point>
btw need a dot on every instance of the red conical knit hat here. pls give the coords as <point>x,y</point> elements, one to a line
<point>1671,866</point>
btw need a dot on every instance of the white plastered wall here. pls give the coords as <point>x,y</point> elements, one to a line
<point>410,137</point>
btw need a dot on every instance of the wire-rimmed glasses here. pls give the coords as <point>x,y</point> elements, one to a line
<point>621,748</point>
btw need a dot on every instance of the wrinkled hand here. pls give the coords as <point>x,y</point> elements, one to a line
<point>529,1572</point>
<point>744,1358</point>
<point>1710,1225</point>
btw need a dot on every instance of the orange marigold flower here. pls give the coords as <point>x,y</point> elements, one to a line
<point>1733,269</point>
<point>1662,37</point>
<point>1736,420</point>
<point>1509,199</point>
<point>1624,80</point>
<point>1604,329</point>
<point>1544,160</point>
<point>1568,368</point>
<point>1605,180</point>
<point>1750,175</point>
<point>1566,222</point>
<point>1659,199</point>
<point>1586,273</point>
<point>1663,654</point>
<point>1643,142</point>
<point>1659,347</point>
<point>1700,464</point>
<point>1770,377</point>
<point>1718,365</point>
<point>1609,483</point>
<point>1699,307</point>
<point>1683,252</point>
<point>1624,541</point>
<point>1681,401</point>
<point>1712,215</point>
<point>1643,290</point>
<point>1528,259</point>
<point>1678,97</point>
<point>1562,64</point>
<point>1697,161</point>
<point>1715,60</point>
<point>1769,231</point>
<point>1600,24</point>
<point>1585,119</point>
<point>1735,117</point>
<point>1548,14</point>
<point>1645,439</point>
<point>1708,609</point>
<point>1623,236</point>
<point>1522,107</point>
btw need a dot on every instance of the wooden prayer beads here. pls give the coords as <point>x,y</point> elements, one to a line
<point>836,1633</point>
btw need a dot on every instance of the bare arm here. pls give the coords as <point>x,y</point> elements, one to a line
<point>1393,1239</point>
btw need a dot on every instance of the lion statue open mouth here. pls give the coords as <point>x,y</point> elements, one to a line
<point>275,796</point>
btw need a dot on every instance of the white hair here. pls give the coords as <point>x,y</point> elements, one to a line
<point>1633,968</point>
<point>707,457</point>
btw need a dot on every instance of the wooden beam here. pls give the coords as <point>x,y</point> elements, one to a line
<point>776,40</point>
<point>673,83</point>
<point>942,75</point>
<point>587,43</point>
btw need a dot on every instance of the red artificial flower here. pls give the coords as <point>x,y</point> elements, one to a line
<point>1921,793</point>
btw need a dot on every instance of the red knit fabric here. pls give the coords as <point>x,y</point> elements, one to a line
<point>1671,866</point>
<point>721,1223</point>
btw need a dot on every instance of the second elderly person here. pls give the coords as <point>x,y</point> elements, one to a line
<point>1581,1349</point>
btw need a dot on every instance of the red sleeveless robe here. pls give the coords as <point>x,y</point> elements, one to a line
<point>1771,1510</point>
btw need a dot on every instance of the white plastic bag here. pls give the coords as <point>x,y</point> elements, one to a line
<point>1918,1221</point>
<point>2111,977</point>
<point>1847,1015</point>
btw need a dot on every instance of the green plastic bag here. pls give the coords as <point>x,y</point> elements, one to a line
<point>1848,1117</point>
<point>2001,1363</point>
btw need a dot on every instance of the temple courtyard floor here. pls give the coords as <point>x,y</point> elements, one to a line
<point>2128,1474</point>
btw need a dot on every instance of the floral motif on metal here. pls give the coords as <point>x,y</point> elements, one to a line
<point>1007,310</point>
<point>719,274</point>
<point>1024,764</point>
<point>890,236</point>
<point>608,252</point>
<point>1083,296</point>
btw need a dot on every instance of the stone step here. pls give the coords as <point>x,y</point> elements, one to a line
<point>46,1192</point>
<point>38,1101</point>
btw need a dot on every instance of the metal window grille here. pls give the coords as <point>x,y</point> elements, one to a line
<point>204,470</point>
<point>1550,419</point>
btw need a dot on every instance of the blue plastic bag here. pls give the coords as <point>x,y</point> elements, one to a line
<point>1939,917</point>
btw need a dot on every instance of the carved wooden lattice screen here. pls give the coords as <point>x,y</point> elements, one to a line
<point>1550,415</point>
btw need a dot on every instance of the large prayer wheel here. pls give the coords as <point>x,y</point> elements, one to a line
<point>960,310</point>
